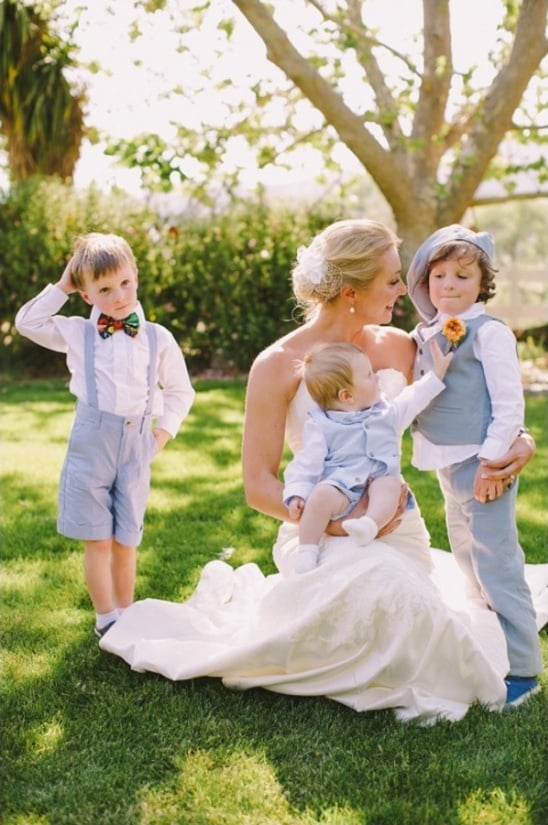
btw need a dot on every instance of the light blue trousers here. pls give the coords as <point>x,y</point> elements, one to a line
<point>484,541</point>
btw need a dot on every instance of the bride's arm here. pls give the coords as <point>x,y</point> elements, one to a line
<point>505,469</point>
<point>269,391</point>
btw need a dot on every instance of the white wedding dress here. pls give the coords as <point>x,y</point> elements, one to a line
<point>387,626</point>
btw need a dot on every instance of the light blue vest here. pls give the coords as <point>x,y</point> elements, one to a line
<point>364,443</point>
<point>461,413</point>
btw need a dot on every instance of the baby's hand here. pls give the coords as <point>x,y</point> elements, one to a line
<point>295,505</point>
<point>441,361</point>
<point>65,282</point>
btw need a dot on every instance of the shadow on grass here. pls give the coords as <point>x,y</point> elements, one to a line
<point>88,741</point>
<point>97,723</point>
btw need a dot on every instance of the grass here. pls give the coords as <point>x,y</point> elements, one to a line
<point>86,741</point>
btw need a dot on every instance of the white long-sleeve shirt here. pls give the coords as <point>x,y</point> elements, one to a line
<point>121,362</point>
<point>495,346</point>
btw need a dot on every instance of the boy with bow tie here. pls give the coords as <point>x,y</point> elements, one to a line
<point>125,372</point>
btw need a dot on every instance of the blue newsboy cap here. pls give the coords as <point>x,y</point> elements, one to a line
<point>418,292</point>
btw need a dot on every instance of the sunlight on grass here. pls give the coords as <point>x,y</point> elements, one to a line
<point>47,737</point>
<point>246,790</point>
<point>243,785</point>
<point>88,741</point>
<point>21,670</point>
<point>495,808</point>
<point>340,816</point>
<point>30,580</point>
<point>532,513</point>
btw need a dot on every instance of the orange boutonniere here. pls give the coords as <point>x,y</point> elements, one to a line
<point>454,330</point>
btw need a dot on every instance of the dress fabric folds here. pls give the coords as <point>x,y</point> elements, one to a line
<point>392,625</point>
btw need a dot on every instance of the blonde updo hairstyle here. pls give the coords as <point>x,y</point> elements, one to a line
<point>329,368</point>
<point>346,253</point>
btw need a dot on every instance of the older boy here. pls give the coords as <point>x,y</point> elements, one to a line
<point>125,372</point>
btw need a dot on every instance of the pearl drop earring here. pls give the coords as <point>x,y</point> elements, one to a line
<point>352,310</point>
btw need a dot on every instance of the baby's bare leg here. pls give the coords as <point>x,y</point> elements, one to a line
<point>384,495</point>
<point>324,502</point>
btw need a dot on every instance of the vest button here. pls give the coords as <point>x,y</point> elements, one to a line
<point>422,372</point>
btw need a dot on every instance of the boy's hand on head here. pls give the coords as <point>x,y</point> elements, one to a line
<point>65,282</point>
<point>441,361</point>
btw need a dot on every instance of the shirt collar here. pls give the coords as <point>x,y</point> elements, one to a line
<point>95,313</point>
<point>428,330</point>
<point>474,311</point>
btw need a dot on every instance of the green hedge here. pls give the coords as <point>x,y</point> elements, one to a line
<point>221,284</point>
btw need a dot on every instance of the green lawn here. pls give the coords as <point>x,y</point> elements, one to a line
<point>88,742</point>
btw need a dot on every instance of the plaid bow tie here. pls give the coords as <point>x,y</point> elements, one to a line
<point>106,325</point>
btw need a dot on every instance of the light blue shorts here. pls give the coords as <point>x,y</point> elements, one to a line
<point>105,480</point>
<point>355,493</point>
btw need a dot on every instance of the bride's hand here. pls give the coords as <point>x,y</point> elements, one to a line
<point>395,521</point>
<point>505,469</point>
<point>335,528</point>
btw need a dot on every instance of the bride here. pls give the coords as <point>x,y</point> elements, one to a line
<point>392,625</point>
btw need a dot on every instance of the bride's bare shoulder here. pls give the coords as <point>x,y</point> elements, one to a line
<point>280,361</point>
<point>390,347</point>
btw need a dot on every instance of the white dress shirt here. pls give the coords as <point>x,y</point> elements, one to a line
<point>495,346</point>
<point>121,362</point>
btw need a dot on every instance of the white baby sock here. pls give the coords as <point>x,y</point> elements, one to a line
<point>307,558</point>
<point>362,530</point>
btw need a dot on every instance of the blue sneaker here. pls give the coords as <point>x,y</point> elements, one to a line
<point>519,689</point>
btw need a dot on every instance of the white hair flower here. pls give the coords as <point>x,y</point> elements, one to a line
<point>315,279</point>
<point>311,261</point>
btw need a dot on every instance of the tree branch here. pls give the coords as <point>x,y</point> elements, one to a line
<point>434,91</point>
<point>390,175</point>
<point>496,199</point>
<point>495,113</point>
<point>386,105</point>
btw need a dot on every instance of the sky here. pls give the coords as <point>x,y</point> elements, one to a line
<point>128,95</point>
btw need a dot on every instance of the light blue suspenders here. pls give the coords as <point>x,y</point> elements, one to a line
<point>89,361</point>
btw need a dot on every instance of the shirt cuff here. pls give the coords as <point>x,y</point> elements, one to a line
<point>492,449</point>
<point>169,423</point>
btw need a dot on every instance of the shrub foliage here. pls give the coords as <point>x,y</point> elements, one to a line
<point>220,283</point>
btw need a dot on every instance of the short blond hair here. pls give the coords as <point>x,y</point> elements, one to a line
<point>98,254</point>
<point>328,369</point>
